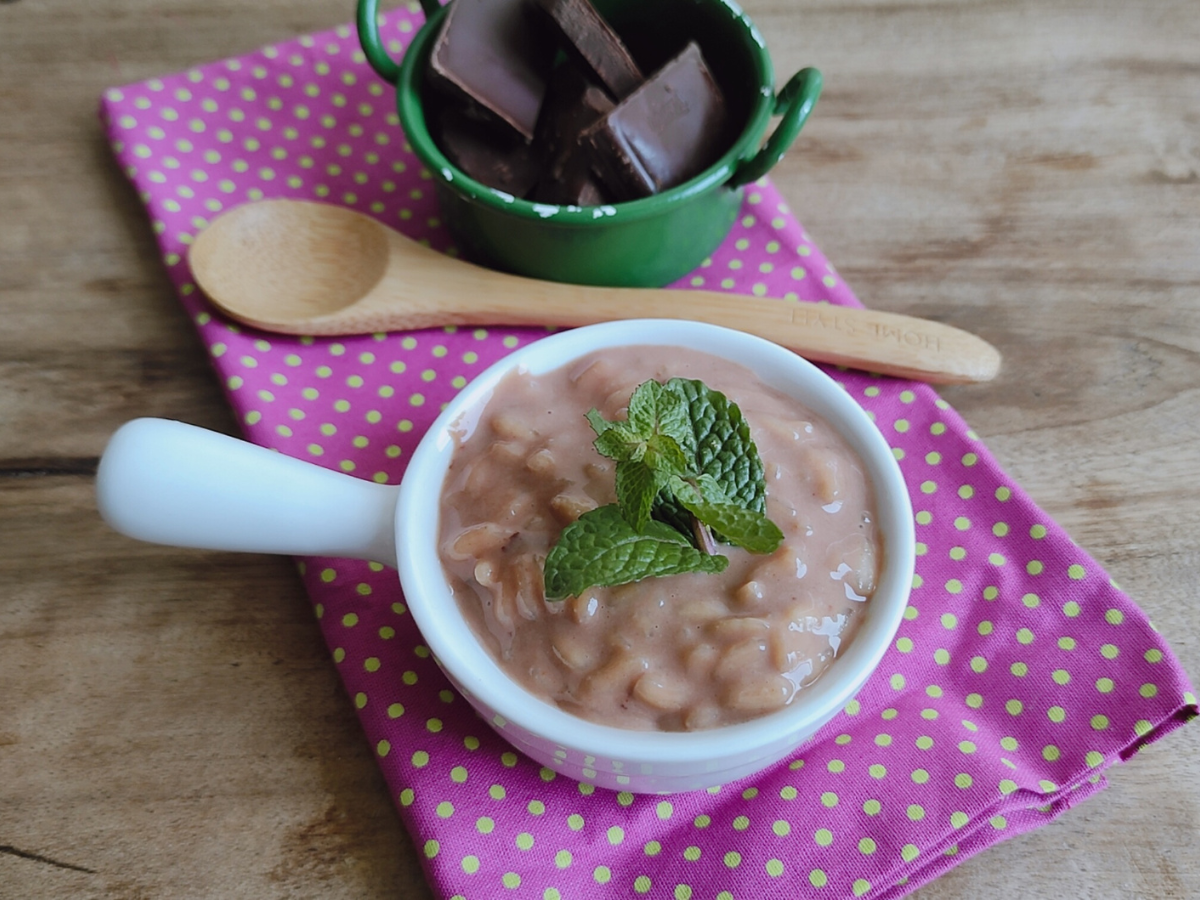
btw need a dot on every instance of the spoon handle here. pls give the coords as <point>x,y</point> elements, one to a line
<point>457,293</point>
<point>871,340</point>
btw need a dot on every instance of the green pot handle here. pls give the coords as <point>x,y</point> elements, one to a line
<point>372,41</point>
<point>794,103</point>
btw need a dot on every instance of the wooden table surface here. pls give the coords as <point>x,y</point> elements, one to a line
<point>170,722</point>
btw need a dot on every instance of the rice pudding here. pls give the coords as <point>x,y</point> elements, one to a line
<point>681,652</point>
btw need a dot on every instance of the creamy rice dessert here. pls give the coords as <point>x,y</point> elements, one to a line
<point>680,652</point>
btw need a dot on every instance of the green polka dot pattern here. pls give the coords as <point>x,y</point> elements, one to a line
<point>1018,675</point>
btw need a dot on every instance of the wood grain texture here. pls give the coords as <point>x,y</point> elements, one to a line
<point>170,725</point>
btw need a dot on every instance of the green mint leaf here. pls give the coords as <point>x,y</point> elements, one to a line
<point>711,489</point>
<point>723,446</point>
<point>643,408</point>
<point>655,410</point>
<point>620,443</point>
<point>600,549</point>
<point>746,528</point>
<point>598,422</point>
<point>718,440</point>
<point>637,486</point>
<point>663,453</point>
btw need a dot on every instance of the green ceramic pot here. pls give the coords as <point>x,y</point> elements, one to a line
<point>645,243</point>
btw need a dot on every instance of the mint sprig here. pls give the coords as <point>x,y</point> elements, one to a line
<point>686,470</point>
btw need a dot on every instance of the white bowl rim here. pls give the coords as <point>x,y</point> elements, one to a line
<point>467,661</point>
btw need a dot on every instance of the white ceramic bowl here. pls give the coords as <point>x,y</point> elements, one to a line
<point>246,498</point>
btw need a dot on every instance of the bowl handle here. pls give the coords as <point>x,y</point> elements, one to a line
<point>170,483</point>
<point>372,42</point>
<point>794,103</point>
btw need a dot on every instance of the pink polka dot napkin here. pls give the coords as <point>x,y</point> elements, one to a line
<point>1019,675</point>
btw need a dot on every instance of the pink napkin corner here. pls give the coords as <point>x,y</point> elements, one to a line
<point>1020,674</point>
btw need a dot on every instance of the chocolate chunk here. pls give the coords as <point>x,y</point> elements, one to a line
<point>577,186</point>
<point>669,130</point>
<point>593,42</point>
<point>499,160</point>
<point>572,104</point>
<point>586,192</point>
<point>493,51</point>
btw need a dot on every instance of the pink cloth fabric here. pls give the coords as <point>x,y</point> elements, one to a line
<point>1020,673</point>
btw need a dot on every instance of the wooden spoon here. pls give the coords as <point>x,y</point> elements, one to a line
<point>317,269</point>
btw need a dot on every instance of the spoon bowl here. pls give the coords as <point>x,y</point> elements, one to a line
<point>248,261</point>
<point>316,269</point>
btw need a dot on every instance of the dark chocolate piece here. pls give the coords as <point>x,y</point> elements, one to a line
<point>592,41</point>
<point>499,160</point>
<point>577,187</point>
<point>492,51</point>
<point>572,104</point>
<point>586,192</point>
<point>669,130</point>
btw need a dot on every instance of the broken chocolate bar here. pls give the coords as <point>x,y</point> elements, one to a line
<point>593,42</point>
<point>669,130</point>
<point>493,52</point>
<point>572,104</point>
<point>502,161</point>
